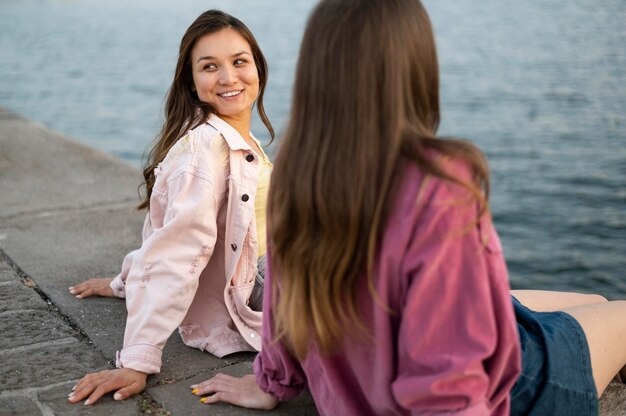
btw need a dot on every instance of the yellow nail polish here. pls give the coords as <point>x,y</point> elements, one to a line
<point>194,391</point>
<point>203,400</point>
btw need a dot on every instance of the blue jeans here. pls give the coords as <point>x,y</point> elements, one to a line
<point>256,297</point>
<point>556,376</point>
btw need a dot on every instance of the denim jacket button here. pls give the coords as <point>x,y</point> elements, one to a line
<point>245,197</point>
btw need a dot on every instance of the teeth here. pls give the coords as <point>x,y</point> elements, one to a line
<point>230,93</point>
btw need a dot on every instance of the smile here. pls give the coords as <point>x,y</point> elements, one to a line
<point>230,93</point>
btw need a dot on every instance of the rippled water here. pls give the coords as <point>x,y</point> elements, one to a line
<point>539,85</point>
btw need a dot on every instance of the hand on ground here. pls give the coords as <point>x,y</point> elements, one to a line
<point>93,287</point>
<point>242,392</point>
<point>124,381</point>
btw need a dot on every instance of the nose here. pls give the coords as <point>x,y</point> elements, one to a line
<point>228,75</point>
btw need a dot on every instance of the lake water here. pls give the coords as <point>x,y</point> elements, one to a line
<point>538,85</point>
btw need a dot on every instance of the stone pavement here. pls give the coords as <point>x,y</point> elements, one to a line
<point>66,214</point>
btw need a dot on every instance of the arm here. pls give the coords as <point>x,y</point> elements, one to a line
<point>163,277</point>
<point>160,286</point>
<point>448,328</point>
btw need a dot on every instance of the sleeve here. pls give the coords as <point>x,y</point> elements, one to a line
<point>448,325</point>
<point>118,284</point>
<point>277,372</point>
<point>163,277</point>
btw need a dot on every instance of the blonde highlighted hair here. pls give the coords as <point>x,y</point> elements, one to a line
<point>366,95</point>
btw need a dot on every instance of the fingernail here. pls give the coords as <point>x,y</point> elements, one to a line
<point>87,402</point>
<point>203,400</point>
<point>194,391</point>
<point>117,396</point>
<point>73,388</point>
<point>193,386</point>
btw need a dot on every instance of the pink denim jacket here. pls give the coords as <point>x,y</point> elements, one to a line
<point>197,264</point>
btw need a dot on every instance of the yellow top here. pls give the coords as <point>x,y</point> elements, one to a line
<point>265,171</point>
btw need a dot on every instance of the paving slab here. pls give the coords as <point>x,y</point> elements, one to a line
<point>14,296</point>
<point>55,399</point>
<point>29,326</point>
<point>7,274</point>
<point>42,356</point>
<point>45,363</point>
<point>52,400</point>
<point>19,406</point>
<point>613,401</point>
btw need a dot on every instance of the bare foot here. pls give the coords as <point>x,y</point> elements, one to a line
<point>93,287</point>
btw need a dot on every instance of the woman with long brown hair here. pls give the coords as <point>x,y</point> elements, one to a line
<point>388,292</point>
<point>200,266</point>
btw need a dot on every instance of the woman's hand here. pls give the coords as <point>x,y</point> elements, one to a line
<point>93,287</point>
<point>126,381</point>
<point>242,392</point>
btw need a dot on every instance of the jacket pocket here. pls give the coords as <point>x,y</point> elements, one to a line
<point>240,295</point>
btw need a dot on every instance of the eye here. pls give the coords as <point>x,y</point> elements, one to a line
<point>240,62</point>
<point>209,67</point>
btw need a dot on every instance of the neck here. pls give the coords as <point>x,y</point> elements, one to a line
<point>241,124</point>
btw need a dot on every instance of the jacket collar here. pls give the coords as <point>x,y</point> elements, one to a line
<point>232,136</point>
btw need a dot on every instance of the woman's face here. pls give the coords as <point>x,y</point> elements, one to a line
<point>225,75</point>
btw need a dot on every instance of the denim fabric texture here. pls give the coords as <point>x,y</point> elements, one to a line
<point>556,374</point>
<point>256,297</point>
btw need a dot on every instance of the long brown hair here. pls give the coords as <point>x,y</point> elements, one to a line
<point>366,95</point>
<point>183,108</point>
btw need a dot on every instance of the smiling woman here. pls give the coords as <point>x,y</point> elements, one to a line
<point>224,74</point>
<point>199,267</point>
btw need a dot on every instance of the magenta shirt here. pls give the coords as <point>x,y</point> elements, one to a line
<point>452,345</point>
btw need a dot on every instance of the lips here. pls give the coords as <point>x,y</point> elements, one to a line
<point>230,94</point>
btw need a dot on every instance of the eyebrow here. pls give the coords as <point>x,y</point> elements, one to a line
<point>202,58</point>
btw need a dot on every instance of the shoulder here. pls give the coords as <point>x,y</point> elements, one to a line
<point>419,188</point>
<point>201,152</point>
<point>212,151</point>
<point>426,207</point>
<point>207,137</point>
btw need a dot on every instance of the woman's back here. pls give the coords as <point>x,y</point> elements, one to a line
<point>440,346</point>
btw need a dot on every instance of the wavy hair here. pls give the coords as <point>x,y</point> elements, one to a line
<point>183,108</point>
<point>366,96</point>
